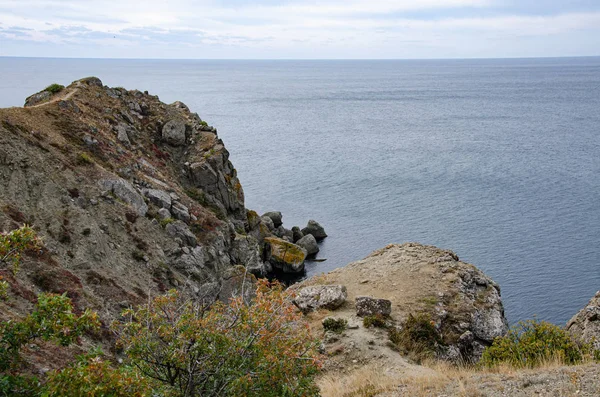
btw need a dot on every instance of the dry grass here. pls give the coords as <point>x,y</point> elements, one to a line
<point>436,378</point>
<point>367,381</point>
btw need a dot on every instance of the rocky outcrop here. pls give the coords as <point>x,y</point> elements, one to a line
<point>413,279</point>
<point>367,306</point>
<point>284,255</point>
<point>320,297</point>
<point>585,325</point>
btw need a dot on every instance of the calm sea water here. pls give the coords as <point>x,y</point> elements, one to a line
<point>498,160</point>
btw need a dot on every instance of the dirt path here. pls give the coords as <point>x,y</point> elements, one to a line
<point>56,98</point>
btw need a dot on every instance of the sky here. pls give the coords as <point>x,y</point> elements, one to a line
<point>296,29</point>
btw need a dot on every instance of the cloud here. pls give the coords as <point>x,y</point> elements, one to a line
<point>338,28</point>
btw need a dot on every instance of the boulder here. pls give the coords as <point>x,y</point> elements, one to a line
<point>164,213</point>
<point>585,325</point>
<point>314,228</point>
<point>284,233</point>
<point>179,229</point>
<point>366,306</point>
<point>284,255</point>
<point>38,98</point>
<point>181,212</point>
<point>296,234</point>
<point>125,192</point>
<point>315,297</point>
<point>309,243</point>
<point>275,216</point>
<point>268,222</point>
<point>91,81</point>
<point>160,198</point>
<point>174,133</point>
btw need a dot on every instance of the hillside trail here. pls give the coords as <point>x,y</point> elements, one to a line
<point>57,98</point>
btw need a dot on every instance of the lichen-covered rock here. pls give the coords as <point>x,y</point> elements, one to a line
<point>585,325</point>
<point>367,306</point>
<point>173,133</point>
<point>276,217</point>
<point>180,212</point>
<point>125,192</point>
<point>314,228</point>
<point>283,255</point>
<point>315,297</point>
<point>309,243</point>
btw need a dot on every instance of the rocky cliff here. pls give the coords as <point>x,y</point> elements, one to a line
<point>462,304</point>
<point>131,197</point>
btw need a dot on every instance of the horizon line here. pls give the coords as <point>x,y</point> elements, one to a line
<point>304,59</point>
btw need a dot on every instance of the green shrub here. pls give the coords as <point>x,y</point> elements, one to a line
<point>530,343</point>
<point>235,349</point>
<point>166,221</point>
<point>376,320</point>
<point>93,376</point>
<point>51,320</point>
<point>84,159</point>
<point>54,88</point>
<point>12,246</point>
<point>337,325</point>
<point>417,338</point>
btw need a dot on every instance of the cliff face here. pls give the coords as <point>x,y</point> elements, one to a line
<point>131,196</point>
<point>585,325</point>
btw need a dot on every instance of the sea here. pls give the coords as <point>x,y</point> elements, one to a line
<point>495,159</point>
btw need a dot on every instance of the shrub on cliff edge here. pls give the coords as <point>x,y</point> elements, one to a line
<point>530,343</point>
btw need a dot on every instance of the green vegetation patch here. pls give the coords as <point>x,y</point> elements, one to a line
<point>54,88</point>
<point>376,320</point>
<point>337,325</point>
<point>417,338</point>
<point>531,343</point>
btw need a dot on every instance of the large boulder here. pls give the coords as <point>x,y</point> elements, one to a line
<point>276,217</point>
<point>283,255</point>
<point>125,192</point>
<point>320,297</point>
<point>309,243</point>
<point>585,325</point>
<point>366,306</point>
<point>314,228</point>
<point>160,198</point>
<point>173,133</point>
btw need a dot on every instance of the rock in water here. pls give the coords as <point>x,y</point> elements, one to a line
<point>585,325</point>
<point>366,306</point>
<point>284,255</point>
<point>320,297</point>
<point>276,217</point>
<point>309,243</point>
<point>314,228</point>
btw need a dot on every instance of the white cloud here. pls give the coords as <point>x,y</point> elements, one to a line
<point>354,28</point>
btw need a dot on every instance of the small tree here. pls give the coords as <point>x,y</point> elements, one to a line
<point>235,349</point>
<point>12,246</point>
<point>51,320</point>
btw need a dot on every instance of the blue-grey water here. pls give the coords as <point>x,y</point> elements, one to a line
<point>498,160</point>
